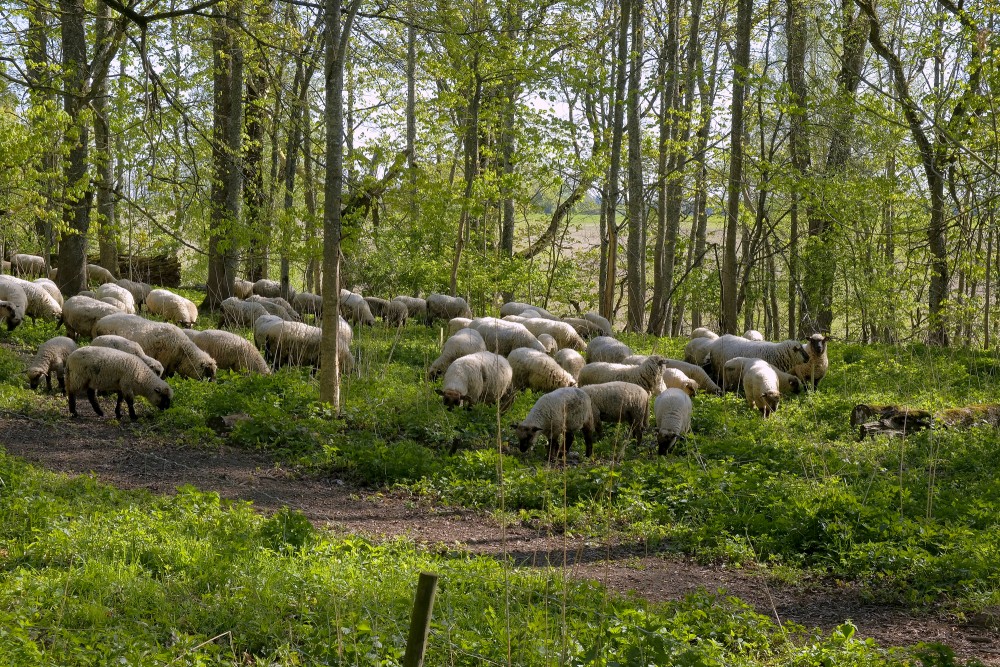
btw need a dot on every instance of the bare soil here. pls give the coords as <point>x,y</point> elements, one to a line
<point>129,457</point>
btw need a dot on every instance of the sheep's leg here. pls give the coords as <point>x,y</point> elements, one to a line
<point>92,397</point>
<point>588,439</point>
<point>130,402</point>
<point>48,382</point>
<point>568,446</point>
<point>637,427</point>
<point>72,404</point>
<point>118,406</point>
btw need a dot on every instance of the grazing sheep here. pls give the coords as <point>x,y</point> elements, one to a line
<point>444,307</point>
<point>51,288</point>
<point>355,309</point>
<point>501,337</point>
<point>416,307</point>
<point>549,343</point>
<point>753,334</point>
<point>125,345</point>
<point>584,328</point>
<point>7,314</point>
<point>620,403</point>
<point>784,355</point>
<point>672,411</point>
<point>27,266</point>
<point>139,290</point>
<point>270,288</point>
<point>647,375</point>
<point>237,313</point>
<point>242,289</point>
<point>231,352</point>
<point>98,275</point>
<point>732,376</point>
<point>518,308</point>
<point>760,384</point>
<point>297,344</point>
<point>606,348</point>
<point>814,370</point>
<point>172,307</point>
<point>483,377</point>
<point>38,302</point>
<point>4,266</point>
<point>571,360</point>
<point>101,369</point>
<point>456,324</point>
<point>558,415</point>
<point>602,322</point>
<point>697,349</point>
<point>12,294</point>
<point>696,373</point>
<point>537,371</point>
<point>307,303</point>
<point>393,313</point>
<point>565,334</point>
<point>704,332</point>
<point>276,306</point>
<point>161,340</point>
<point>82,313</point>
<point>676,379</point>
<point>119,293</point>
<point>465,341</point>
<point>50,360</point>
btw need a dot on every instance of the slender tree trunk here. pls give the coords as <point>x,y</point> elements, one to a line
<point>254,196</point>
<point>636,257</point>
<point>795,33</point>
<point>471,166</point>
<point>411,112</point>
<point>39,79</point>
<point>107,233</point>
<point>607,308</point>
<point>313,280</point>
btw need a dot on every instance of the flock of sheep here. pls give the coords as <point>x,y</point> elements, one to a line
<point>587,377</point>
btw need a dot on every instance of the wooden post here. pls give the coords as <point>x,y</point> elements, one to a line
<point>420,620</point>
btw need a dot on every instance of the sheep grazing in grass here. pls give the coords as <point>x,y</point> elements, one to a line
<point>571,360</point>
<point>760,385</point>
<point>558,415</point>
<point>38,302</point>
<point>676,379</point>
<point>172,307</point>
<point>704,332</point>
<point>732,376</point>
<point>118,293</point>
<point>297,344</point>
<point>307,303</point>
<point>620,403</point>
<point>537,371</point>
<point>138,289</point>
<point>564,334</point>
<point>276,306</point>
<point>4,266</point>
<point>51,288</point>
<point>814,369</point>
<point>518,308</point>
<point>242,288</point>
<point>15,302</point>
<point>697,350</point>
<point>501,336</point>
<point>270,288</point>
<point>393,313</point>
<point>466,341</point>
<point>784,355</point>
<point>647,375</point>
<point>608,349</point>
<point>672,411</point>
<point>696,373</point>
<point>100,369</point>
<point>125,345</point>
<point>238,313</point>
<point>355,309</point>
<point>7,315</point>
<point>98,275</point>
<point>483,377</point>
<point>161,340</point>
<point>82,313</point>
<point>549,343</point>
<point>27,266</point>
<point>602,322</point>
<point>416,308</point>
<point>456,324</point>
<point>444,307</point>
<point>584,328</point>
<point>231,352</point>
<point>753,334</point>
<point>49,361</point>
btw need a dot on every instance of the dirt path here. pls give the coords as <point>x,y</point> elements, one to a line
<point>128,458</point>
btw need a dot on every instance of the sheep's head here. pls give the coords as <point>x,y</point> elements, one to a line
<point>816,345</point>
<point>666,441</point>
<point>7,313</point>
<point>452,398</point>
<point>35,377</point>
<point>796,385</point>
<point>162,396</point>
<point>526,435</point>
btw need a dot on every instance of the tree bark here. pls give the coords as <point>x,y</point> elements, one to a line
<point>607,307</point>
<point>636,258</point>
<point>39,80</point>
<point>795,36</point>
<point>471,141</point>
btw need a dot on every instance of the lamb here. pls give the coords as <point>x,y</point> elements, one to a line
<point>732,376</point>
<point>672,411</point>
<point>93,369</point>
<point>276,306</point>
<point>355,309</point>
<point>98,275</point>
<point>38,302</point>
<point>120,294</point>
<point>537,371</point>
<point>565,334</point>
<point>51,288</point>
<point>483,377</point>
<point>82,313</point>
<point>608,349</point>
<point>456,324</point>
<point>162,341</point>
<point>231,352</point>
<point>814,369</point>
<point>784,355</point>
<point>307,303</point>
<point>696,373</point>
<point>139,290</point>
<point>753,334</point>
<point>466,341</point>
<point>676,379</point>
<point>241,313</point>
<point>50,360</point>
<point>697,350</point>
<point>415,307</point>
<point>518,308</point>
<point>559,415</point>
<point>393,313</point>
<point>760,384</point>
<point>584,328</point>
<point>647,375</point>
<point>602,322</point>
<point>444,307</point>
<point>242,288</point>
<point>27,266</point>
<point>571,360</point>
<point>620,403</point>
<point>704,332</point>
<point>172,307</point>
<point>125,345</point>
<point>501,337</point>
<point>15,300</point>
<point>549,343</point>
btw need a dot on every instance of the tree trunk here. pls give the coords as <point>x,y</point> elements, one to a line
<point>607,307</point>
<point>471,141</point>
<point>411,112</point>
<point>636,259</point>
<point>39,82</point>
<point>254,199</point>
<point>795,33</point>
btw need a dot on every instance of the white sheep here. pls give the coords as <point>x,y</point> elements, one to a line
<point>483,377</point>
<point>704,332</point>
<point>620,403</point>
<point>270,288</point>
<point>393,313</point>
<point>672,411</point>
<point>584,328</point>
<point>355,309</point>
<point>732,376</point>
<point>26,266</point>
<point>676,379</point>
<point>82,313</point>
<point>647,375</point>
<point>444,307</point>
<point>12,294</point>
<point>307,303</point>
<point>119,293</point>
<point>101,369</point>
<point>125,345</point>
<point>242,288</point>
<point>606,348</point>
<point>98,275</point>
<point>238,313</point>
<point>696,373</point>
<point>161,340</point>
<point>138,289</point>
<point>49,361</point>
<point>697,350</point>
<point>276,306</point>
<point>549,343</point>
<point>558,415</point>
<point>753,334</point>
<point>231,352</point>
<point>7,315</point>
<point>51,288</point>
<point>814,369</point>
<point>784,355</point>
<point>571,360</point>
<point>4,266</point>
<point>518,308</point>
<point>416,307</point>
<point>537,371</point>
<point>565,334</point>
<point>456,324</point>
<point>466,341</point>
<point>38,302</point>
<point>172,307</point>
<point>602,322</point>
<point>760,384</point>
<point>501,337</point>
<point>298,344</point>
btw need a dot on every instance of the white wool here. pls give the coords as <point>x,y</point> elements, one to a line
<point>606,348</point>
<point>355,310</point>
<point>501,336</point>
<point>483,377</point>
<point>518,308</point>
<point>444,307</point>
<point>119,293</point>
<point>50,361</point>
<point>620,403</point>
<point>676,379</point>
<point>672,411</point>
<point>537,371</point>
<point>161,340</point>
<point>101,369</point>
<point>814,370</point>
<point>732,376</point>
<point>172,307</point>
<point>571,360</point>
<point>558,415</point>
<point>231,352</point>
<point>647,375</point>
<point>696,373</point>
<point>82,313</point>
<point>760,384</point>
<point>784,355</point>
<point>549,343</point>
<point>697,349</point>
<point>753,334</point>
<point>466,341</point>
<point>704,332</point>
<point>125,345</point>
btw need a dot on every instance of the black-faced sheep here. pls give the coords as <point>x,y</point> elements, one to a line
<point>101,369</point>
<point>466,341</point>
<point>355,309</point>
<point>163,341</point>
<point>620,403</point>
<point>38,302</point>
<point>558,415</point>
<point>760,384</point>
<point>538,371</point>
<point>172,307</point>
<point>696,373</point>
<point>123,344</point>
<point>647,375</point>
<point>608,349</point>
<point>732,376</point>
<point>393,313</point>
<point>12,294</point>
<point>49,361</point>
<point>784,355</point>
<point>82,313</point>
<point>444,307</point>
<point>672,411</point>
<point>814,370</point>
<point>483,377</point>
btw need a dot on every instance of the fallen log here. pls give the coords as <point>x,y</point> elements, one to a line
<point>897,420</point>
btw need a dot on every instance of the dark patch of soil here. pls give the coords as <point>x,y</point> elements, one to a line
<point>128,457</point>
